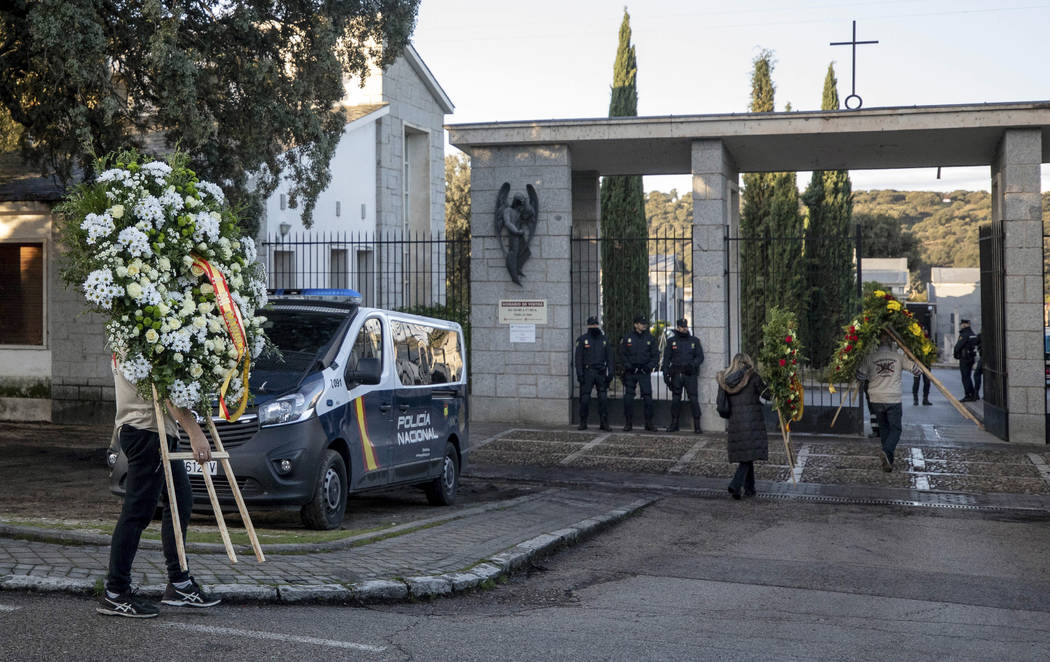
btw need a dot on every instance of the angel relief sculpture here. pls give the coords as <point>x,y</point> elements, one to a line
<point>515,225</point>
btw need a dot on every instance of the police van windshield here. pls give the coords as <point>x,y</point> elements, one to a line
<point>303,336</point>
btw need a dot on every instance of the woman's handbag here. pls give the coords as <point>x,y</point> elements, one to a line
<point>722,404</point>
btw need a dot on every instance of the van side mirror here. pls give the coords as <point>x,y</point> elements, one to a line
<point>368,371</point>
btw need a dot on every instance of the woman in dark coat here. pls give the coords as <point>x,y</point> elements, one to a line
<point>746,440</point>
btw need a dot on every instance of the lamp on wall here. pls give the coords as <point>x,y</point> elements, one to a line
<point>285,227</point>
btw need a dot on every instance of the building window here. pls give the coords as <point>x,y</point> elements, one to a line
<point>365,277</point>
<point>22,294</point>
<point>283,273</point>
<point>338,269</point>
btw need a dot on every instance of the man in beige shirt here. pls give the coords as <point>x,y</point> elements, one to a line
<point>882,370</point>
<point>139,438</point>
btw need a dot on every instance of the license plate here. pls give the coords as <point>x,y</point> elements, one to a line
<point>194,467</point>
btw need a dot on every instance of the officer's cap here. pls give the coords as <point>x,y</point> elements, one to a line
<point>964,321</point>
<point>682,322</point>
<point>592,321</point>
<point>641,319</point>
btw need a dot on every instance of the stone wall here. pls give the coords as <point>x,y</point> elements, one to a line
<point>521,382</point>
<point>81,381</point>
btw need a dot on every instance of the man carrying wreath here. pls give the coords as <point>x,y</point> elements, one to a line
<point>882,370</point>
<point>139,438</point>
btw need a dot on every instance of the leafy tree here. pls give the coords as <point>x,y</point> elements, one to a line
<point>756,208</point>
<point>236,84</point>
<point>457,225</point>
<point>625,261</point>
<point>830,280</point>
<point>10,131</point>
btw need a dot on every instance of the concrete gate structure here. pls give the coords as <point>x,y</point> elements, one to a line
<point>529,382</point>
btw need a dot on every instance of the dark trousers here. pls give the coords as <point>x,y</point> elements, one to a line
<point>143,488</point>
<point>744,476</point>
<point>645,384</point>
<point>679,381</point>
<point>966,372</point>
<point>889,417</point>
<point>594,379</point>
<point>925,386</point>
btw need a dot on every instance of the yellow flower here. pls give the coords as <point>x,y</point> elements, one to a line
<point>893,305</point>
<point>880,294</point>
<point>927,347</point>
<point>915,329</point>
<point>831,388</point>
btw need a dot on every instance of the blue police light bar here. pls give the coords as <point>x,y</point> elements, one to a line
<point>330,294</point>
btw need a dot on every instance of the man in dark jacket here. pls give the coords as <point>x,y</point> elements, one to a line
<point>640,355</point>
<point>966,352</point>
<point>681,367</point>
<point>594,365</point>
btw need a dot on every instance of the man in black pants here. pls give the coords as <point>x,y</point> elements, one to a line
<point>681,367</point>
<point>594,363</point>
<point>966,352</point>
<point>140,440</point>
<point>640,355</point>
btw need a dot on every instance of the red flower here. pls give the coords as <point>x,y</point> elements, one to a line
<point>853,329</point>
<point>849,348</point>
<point>793,361</point>
<point>865,318</point>
<point>837,368</point>
<point>788,339</point>
<point>783,362</point>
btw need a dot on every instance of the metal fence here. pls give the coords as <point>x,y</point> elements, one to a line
<point>394,270</point>
<point>670,286</point>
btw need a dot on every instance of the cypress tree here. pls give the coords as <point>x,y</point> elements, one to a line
<point>830,276</point>
<point>756,206</point>
<point>625,257</point>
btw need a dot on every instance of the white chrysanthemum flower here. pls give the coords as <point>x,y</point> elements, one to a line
<point>184,395</point>
<point>116,175</point>
<point>99,289</point>
<point>135,242</point>
<point>149,209</point>
<point>207,228</point>
<point>97,225</point>
<point>156,169</point>
<point>213,190</point>
<point>250,252</point>
<point>135,368</point>
<point>171,200</point>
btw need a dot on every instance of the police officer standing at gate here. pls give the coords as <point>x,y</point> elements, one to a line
<point>594,365</point>
<point>681,366</point>
<point>640,355</point>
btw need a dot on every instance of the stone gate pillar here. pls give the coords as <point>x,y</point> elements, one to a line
<point>1017,205</point>
<point>715,317</point>
<point>521,382</point>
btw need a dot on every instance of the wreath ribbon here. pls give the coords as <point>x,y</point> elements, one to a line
<point>231,317</point>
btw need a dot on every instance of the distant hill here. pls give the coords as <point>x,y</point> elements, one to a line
<point>944,225</point>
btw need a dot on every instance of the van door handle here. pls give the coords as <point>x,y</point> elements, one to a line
<point>403,407</point>
<point>384,408</point>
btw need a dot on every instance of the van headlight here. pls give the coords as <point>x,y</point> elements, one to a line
<point>290,408</point>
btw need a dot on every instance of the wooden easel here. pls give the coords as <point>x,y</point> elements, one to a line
<point>221,455</point>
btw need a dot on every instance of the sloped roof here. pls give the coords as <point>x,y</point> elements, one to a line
<point>414,60</point>
<point>19,182</point>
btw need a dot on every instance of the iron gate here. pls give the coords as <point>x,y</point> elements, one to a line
<point>993,327</point>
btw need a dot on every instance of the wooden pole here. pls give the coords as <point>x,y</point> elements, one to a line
<point>852,385</point>
<point>245,517</point>
<point>785,433</point>
<point>173,503</point>
<point>951,398</point>
<point>219,519</point>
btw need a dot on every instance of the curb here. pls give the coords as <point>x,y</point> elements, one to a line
<point>370,591</point>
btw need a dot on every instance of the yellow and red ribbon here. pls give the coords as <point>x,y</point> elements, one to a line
<point>231,317</point>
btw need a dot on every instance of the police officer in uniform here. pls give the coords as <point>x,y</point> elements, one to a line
<point>640,356</point>
<point>594,365</point>
<point>683,355</point>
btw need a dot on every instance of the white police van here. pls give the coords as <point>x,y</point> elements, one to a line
<point>361,399</point>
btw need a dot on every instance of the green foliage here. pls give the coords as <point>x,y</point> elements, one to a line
<point>778,361</point>
<point>10,131</point>
<point>236,84</point>
<point>457,226</point>
<point>625,261</point>
<point>829,273</point>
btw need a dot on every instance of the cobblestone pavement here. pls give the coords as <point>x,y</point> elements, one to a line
<point>435,558</point>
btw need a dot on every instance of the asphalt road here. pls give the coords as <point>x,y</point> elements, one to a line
<point>687,579</point>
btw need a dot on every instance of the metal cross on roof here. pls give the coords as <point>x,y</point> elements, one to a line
<point>853,90</point>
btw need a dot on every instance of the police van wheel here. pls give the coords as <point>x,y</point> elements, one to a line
<point>442,490</point>
<point>325,510</point>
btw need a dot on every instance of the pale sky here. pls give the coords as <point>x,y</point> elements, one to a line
<point>546,59</point>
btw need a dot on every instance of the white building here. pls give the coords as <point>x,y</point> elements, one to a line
<point>388,180</point>
<point>957,296</point>
<point>892,272</point>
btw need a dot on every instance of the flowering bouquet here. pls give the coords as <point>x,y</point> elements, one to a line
<point>779,358</point>
<point>158,252</point>
<point>880,311</point>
